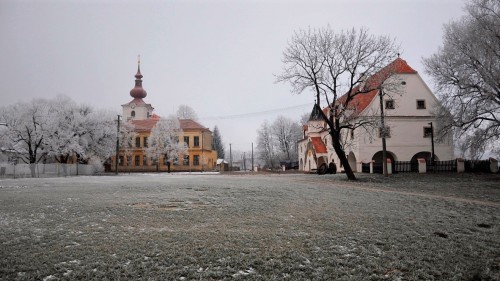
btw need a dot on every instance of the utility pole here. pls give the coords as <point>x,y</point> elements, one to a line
<point>383,133</point>
<point>252,158</point>
<point>230,158</point>
<point>117,144</point>
<point>244,162</point>
<point>432,143</point>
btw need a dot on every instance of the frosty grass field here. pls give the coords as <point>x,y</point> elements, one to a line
<point>251,227</point>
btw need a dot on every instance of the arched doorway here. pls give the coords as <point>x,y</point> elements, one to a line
<point>301,165</point>
<point>423,155</point>
<point>352,161</point>
<point>378,166</point>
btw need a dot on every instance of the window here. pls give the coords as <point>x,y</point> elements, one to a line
<point>196,141</point>
<point>185,161</point>
<point>420,104</point>
<point>137,142</point>
<point>186,140</point>
<point>120,160</point>
<point>196,160</point>
<point>352,134</point>
<point>427,132</point>
<point>144,160</point>
<point>137,160</point>
<point>389,104</point>
<point>129,160</point>
<point>386,132</point>
<point>132,113</point>
<point>145,142</point>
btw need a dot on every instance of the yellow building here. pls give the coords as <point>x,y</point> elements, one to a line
<point>199,157</point>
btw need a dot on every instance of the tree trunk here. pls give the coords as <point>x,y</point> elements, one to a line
<point>342,157</point>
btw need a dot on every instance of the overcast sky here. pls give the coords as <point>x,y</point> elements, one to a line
<point>218,57</point>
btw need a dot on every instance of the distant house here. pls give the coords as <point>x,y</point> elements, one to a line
<point>200,156</point>
<point>408,115</point>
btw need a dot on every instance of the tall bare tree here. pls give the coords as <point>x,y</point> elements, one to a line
<point>286,133</point>
<point>335,66</point>
<point>265,145</point>
<point>466,70</point>
<point>186,112</point>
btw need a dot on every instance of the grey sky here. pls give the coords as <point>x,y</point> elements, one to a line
<point>219,57</point>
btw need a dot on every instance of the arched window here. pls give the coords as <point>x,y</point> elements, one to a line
<point>132,113</point>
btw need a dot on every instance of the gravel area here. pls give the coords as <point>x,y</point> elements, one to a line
<point>251,227</point>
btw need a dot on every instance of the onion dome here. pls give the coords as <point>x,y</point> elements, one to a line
<point>138,92</point>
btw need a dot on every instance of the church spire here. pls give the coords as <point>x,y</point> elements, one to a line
<point>138,92</point>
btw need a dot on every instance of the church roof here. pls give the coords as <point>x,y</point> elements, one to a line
<point>316,113</point>
<point>319,145</point>
<point>138,92</point>
<point>148,124</point>
<point>360,101</point>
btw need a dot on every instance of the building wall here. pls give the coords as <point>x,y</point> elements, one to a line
<point>406,123</point>
<point>142,111</point>
<point>206,157</point>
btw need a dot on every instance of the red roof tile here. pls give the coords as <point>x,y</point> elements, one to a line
<point>361,100</point>
<point>319,145</point>
<point>148,124</point>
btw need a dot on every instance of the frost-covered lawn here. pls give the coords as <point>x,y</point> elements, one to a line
<point>251,227</point>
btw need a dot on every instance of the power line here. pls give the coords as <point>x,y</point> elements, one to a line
<point>250,114</point>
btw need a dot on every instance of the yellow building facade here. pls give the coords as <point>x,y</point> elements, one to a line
<point>200,154</point>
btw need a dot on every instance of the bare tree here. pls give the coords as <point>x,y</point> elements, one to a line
<point>164,140</point>
<point>335,66</point>
<point>466,71</point>
<point>186,112</point>
<point>286,133</point>
<point>265,145</point>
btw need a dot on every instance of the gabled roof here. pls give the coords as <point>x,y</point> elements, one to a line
<point>360,101</point>
<point>319,145</point>
<point>148,124</point>
<point>189,124</point>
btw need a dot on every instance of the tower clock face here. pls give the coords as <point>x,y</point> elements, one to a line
<point>132,105</point>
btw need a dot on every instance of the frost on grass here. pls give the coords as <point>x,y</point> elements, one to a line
<point>244,227</point>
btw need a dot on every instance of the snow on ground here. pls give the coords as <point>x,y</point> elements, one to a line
<point>253,227</point>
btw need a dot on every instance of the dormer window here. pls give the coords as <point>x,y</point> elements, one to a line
<point>132,114</point>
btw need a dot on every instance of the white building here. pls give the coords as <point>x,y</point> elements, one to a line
<point>408,114</point>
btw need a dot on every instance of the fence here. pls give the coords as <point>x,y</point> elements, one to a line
<point>405,167</point>
<point>473,166</point>
<point>442,166</point>
<point>47,170</point>
<point>477,166</point>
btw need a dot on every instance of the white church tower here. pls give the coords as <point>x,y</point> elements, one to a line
<point>137,109</point>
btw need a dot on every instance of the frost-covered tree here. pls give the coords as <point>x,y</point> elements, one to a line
<point>127,140</point>
<point>286,133</point>
<point>466,71</point>
<point>335,66</point>
<point>186,112</point>
<point>66,128</point>
<point>266,146</point>
<point>164,140</point>
<point>26,130</point>
<point>217,143</point>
